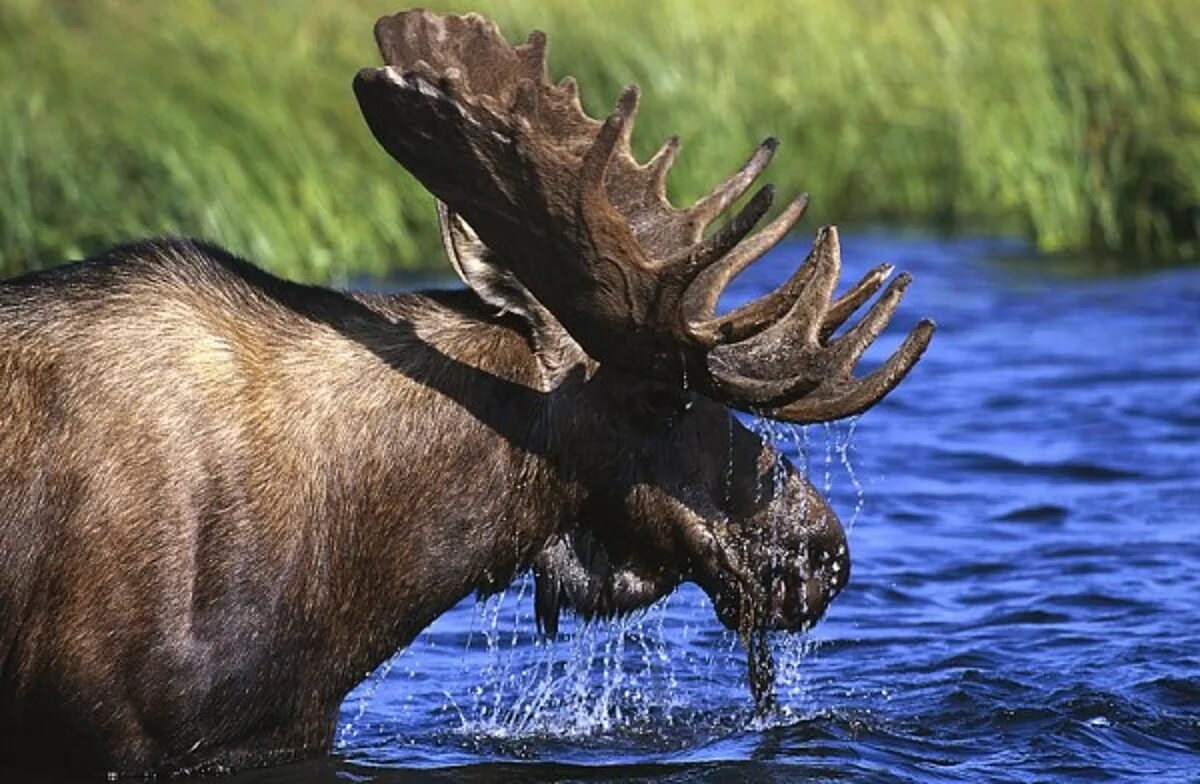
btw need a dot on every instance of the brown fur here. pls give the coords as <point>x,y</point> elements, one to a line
<point>224,498</point>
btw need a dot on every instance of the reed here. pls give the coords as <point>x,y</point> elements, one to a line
<point>1076,124</point>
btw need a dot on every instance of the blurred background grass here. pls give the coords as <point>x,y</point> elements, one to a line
<point>1074,123</point>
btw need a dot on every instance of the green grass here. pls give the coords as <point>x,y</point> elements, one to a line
<point>1076,124</point>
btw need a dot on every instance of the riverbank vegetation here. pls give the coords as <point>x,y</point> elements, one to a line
<point>1074,123</point>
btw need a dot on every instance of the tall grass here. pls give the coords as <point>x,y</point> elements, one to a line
<point>1075,123</point>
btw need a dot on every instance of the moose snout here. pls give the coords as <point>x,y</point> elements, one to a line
<point>802,590</point>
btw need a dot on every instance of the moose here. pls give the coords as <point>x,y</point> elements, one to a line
<point>225,497</point>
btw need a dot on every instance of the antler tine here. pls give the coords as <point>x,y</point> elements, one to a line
<point>570,88</point>
<point>850,346</point>
<point>844,306</point>
<point>808,311</point>
<point>659,165</point>
<point>857,395</point>
<point>612,132</point>
<point>719,199</point>
<point>700,301</point>
<point>713,249</point>
<point>533,53</point>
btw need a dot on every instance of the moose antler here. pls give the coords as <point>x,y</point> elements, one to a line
<point>559,199</point>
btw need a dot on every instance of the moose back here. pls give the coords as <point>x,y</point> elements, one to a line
<point>225,497</point>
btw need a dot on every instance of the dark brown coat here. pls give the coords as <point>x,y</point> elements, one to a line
<point>225,498</point>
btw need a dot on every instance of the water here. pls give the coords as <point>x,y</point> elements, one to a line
<point>1025,602</point>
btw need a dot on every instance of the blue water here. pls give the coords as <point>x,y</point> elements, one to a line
<point>1024,520</point>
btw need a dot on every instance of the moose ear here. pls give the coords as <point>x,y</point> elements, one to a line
<point>475,264</point>
<point>491,280</point>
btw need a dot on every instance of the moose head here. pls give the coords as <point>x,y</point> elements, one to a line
<point>546,215</point>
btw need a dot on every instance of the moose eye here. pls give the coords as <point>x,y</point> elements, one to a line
<point>661,407</point>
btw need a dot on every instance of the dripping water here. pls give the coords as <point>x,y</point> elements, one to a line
<point>830,438</point>
<point>774,661</point>
<point>844,446</point>
<point>595,678</point>
<point>349,731</point>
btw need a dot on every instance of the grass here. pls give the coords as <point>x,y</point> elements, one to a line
<point>1076,124</point>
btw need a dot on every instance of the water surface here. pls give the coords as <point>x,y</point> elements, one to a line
<point>1025,601</point>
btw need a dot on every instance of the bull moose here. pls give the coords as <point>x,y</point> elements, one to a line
<point>225,497</point>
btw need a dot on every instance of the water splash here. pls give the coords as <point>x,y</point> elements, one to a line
<point>595,677</point>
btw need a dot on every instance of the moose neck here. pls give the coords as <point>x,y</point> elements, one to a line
<point>440,477</point>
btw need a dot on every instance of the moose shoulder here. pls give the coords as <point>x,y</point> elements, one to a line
<point>225,497</point>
